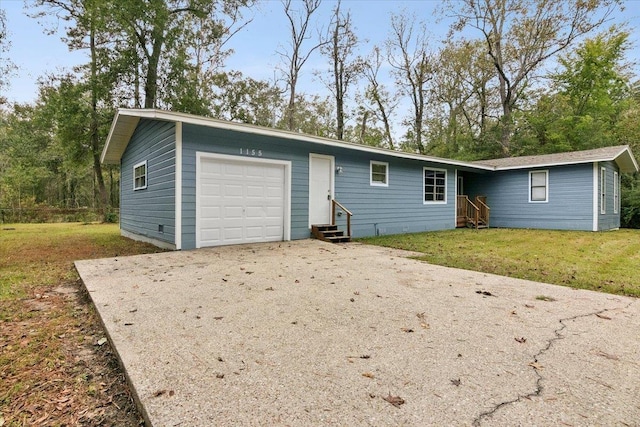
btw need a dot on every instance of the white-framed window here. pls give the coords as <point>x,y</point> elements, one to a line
<point>140,176</point>
<point>379,173</point>
<point>603,191</point>
<point>435,185</point>
<point>616,192</point>
<point>539,186</point>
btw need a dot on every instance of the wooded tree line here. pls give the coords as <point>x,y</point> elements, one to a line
<point>513,77</point>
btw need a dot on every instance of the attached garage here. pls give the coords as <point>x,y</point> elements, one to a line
<point>190,182</point>
<point>240,200</point>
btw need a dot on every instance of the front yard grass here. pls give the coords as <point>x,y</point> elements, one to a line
<point>52,370</point>
<point>606,261</point>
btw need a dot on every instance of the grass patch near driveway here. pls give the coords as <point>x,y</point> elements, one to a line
<point>606,261</point>
<point>52,370</point>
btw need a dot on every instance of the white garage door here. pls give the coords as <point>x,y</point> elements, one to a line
<point>239,201</point>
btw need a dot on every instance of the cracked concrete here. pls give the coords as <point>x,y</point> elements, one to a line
<point>538,387</point>
<point>307,333</point>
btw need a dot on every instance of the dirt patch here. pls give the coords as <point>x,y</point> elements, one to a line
<point>58,375</point>
<point>52,370</point>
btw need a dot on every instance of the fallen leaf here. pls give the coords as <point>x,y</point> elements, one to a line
<point>456,382</point>
<point>220,376</point>
<point>159,393</point>
<point>536,365</point>
<point>102,341</point>
<point>368,375</point>
<point>602,316</point>
<point>607,355</point>
<point>486,293</point>
<point>394,400</point>
<point>406,330</point>
<point>424,325</point>
<point>420,316</point>
<point>270,288</point>
<point>521,340</point>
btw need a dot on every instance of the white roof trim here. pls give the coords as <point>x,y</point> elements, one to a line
<point>126,120</point>
<point>624,158</point>
<point>122,130</point>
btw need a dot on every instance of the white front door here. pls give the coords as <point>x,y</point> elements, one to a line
<point>320,188</point>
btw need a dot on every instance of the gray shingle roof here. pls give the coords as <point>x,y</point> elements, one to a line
<point>621,154</point>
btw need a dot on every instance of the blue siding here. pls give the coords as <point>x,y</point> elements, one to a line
<point>570,204</point>
<point>397,208</point>
<point>142,211</point>
<point>610,220</point>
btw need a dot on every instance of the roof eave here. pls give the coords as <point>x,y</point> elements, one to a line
<point>122,129</point>
<point>626,162</point>
<point>126,120</point>
<point>624,159</point>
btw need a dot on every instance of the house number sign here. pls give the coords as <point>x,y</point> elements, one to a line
<point>251,152</point>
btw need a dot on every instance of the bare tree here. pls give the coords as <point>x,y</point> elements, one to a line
<point>384,103</point>
<point>340,49</point>
<point>299,22</point>
<point>6,66</point>
<point>520,35</point>
<point>411,61</point>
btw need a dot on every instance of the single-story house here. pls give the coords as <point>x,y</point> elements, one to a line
<point>189,182</point>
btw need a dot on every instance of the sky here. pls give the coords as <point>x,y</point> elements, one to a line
<point>37,53</point>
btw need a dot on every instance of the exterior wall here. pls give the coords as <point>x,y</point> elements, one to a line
<point>611,218</point>
<point>143,211</point>
<point>210,140</point>
<point>397,208</point>
<point>569,205</point>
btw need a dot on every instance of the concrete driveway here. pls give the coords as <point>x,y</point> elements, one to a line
<point>308,333</point>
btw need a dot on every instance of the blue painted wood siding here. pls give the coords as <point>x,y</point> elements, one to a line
<point>143,211</point>
<point>569,206</point>
<point>397,208</point>
<point>610,219</point>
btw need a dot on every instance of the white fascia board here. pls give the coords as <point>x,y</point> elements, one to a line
<point>596,198</point>
<point>631,161</point>
<point>543,165</point>
<point>277,133</point>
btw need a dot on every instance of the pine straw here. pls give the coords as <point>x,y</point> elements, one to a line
<point>52,370</point>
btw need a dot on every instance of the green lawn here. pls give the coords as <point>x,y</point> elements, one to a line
<point>606,261</point>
